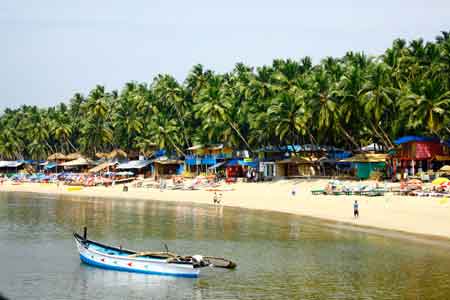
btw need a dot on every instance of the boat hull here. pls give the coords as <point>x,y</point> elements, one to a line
<point>96,258</point>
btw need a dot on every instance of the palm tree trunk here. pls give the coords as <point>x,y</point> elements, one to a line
<point>240,135</point>
<point>386,136</point>
<point>71,145</point>
<point>175,146</point>
<point>312,139</point>
<point>374,129</point>
<point>347,135</point>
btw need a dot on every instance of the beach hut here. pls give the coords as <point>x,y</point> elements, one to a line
<point>269,155</point>
<point>105,166</point>
<point>193,160</point>
<point>117,154</point>
<point>81,164</point>
<point>10,167</point>
<point>201,158</point>
<point>165,167</point>
<point>138,167</point>
<point>58,156</point>
<point>418,154</point>
<point>234,168</point>
<point>296,166</point>
<point>73,156</point>
<point>366,164</point>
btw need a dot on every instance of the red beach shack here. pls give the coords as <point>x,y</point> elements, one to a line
<point>417,154</point>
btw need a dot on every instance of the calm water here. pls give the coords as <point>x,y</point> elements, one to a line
<point>279,256</point>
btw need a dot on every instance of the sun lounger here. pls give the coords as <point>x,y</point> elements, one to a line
<point>338,193</point>
<point>374,193</point>
<point>318,192</point>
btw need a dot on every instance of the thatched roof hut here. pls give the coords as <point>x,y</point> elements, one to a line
<point>102,166</point>
<point>78,162</point>
<point>57,156</point>
<point>73,156</point>
<point>101,155</point>
<point>117,153</point>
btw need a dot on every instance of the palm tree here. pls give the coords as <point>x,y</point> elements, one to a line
<point>214,106</point>
<point>290,117</point>
<point>428,107</point>
<point>345,101</point>
<point>377,99</point>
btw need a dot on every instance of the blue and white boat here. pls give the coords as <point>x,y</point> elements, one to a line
<point>159,263</point>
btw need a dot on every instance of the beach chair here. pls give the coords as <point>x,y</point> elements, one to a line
<point>318,192</point>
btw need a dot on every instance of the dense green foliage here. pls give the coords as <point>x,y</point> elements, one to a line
<point>346,102</point>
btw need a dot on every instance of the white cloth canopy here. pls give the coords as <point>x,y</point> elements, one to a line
<point>372,147</point>
<point>10,164</point>
<point>134,164</point>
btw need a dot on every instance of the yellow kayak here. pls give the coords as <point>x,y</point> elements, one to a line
<point>74,188</point>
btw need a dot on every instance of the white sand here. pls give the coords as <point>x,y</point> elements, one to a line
<point>418,215</point>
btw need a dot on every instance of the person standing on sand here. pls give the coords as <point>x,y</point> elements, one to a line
<point>356,209</point>
<point>293,191</point>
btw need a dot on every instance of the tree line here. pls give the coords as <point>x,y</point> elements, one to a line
<point>346,102</point>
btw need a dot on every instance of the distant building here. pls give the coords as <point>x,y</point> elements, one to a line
<point>418,154</point>
<point>366,163</point>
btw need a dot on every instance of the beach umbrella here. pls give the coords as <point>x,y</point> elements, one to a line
<point>440,180</point>
<point>117,153</point>
<point>445,169</point>
<point>414,181</point>
<point>125,173</point>
<point>414,184</point>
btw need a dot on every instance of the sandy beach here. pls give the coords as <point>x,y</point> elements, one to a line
<point>418,215</point>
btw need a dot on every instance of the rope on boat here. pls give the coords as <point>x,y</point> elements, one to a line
<point>152,253</point>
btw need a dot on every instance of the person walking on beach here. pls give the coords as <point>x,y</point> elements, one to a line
<point>356,209</point>
<point>215,198</point>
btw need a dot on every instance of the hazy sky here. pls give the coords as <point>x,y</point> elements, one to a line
<point>51,49</point>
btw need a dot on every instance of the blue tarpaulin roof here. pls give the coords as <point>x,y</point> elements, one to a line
<point>217,165</point>
<point>28,161</point>
<point>253,164</point>
<point>160,153</point>
<point>240,162</point>
<point>413,138</point>
<point>50,165</point>
<point>233,163</point>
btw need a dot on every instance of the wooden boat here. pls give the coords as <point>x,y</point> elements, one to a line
<point>159,263</point>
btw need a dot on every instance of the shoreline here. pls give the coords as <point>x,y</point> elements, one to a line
<point>421,218</point>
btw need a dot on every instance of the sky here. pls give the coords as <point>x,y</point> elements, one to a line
<point>50,50</point>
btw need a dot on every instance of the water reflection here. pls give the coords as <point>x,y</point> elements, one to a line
<point>280,256</point>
